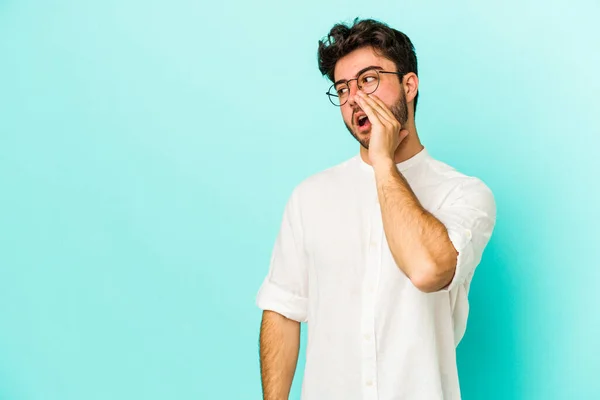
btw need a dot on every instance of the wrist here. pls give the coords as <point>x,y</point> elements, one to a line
<point>382,164</point>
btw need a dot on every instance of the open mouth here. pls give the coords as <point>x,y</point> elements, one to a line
<point>364,123</point>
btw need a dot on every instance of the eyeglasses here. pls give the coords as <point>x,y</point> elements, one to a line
<point>368,82</point>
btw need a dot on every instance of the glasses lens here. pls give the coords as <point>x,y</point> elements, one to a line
<point>368,81</point>
<point>338,94</point>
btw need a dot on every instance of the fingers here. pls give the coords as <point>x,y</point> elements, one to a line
<point>374,116</point>
<point>375,104</point>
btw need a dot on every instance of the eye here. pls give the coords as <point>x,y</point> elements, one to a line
<point>341,91</point>
<point>365,80</point>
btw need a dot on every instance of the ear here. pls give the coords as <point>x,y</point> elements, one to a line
<point>410,83</point>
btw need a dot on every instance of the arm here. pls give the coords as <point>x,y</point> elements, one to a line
<point>417,240</point>
<point>283,297</point>
<point>419,243</point>
<point>279,346</point>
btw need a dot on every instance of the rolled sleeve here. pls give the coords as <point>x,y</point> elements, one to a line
<point>284,289</point>
<point>469,216</point>
<point>272,297</point>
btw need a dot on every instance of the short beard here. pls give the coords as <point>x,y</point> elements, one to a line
<point>400,112</point>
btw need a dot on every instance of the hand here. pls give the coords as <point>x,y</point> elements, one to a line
<point>386,130</point>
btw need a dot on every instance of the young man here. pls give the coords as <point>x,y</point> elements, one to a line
<point>375,254</point>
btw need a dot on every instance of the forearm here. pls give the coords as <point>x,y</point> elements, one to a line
<point>279,346</point>
<point>418,241</point>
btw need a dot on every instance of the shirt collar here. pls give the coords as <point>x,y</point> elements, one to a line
<point>402,166</point>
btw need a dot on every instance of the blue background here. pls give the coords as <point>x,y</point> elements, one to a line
<point>147,150</point>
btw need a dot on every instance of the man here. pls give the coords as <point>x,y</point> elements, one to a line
<point>375,254</point>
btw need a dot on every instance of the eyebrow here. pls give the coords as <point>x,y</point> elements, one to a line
<point>359,72</point>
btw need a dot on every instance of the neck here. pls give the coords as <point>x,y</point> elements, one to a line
<point>410,146</point>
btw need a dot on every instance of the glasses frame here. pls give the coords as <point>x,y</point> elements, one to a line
<point>379,71</point>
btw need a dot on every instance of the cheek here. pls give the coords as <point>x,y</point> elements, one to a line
<point>347,116</point>
<point>388,98</point>
<point>394,98</point>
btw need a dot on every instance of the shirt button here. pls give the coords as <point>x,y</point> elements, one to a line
<point>369,383</point>
<point>373,243</point>
<point>367,336</point>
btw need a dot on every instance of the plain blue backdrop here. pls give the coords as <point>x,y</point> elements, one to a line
<point>147,149</point>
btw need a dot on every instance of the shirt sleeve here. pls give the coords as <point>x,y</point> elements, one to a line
<point>284,289</point>
<point>469,216</point>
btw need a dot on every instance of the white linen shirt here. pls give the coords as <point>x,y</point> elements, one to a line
<point>371,333</point>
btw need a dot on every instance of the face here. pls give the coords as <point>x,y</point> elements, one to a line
<point>390,90</point>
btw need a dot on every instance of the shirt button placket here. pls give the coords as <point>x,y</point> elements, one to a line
<point>369,348</point>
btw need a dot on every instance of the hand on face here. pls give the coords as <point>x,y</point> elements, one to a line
<point>386,131</point>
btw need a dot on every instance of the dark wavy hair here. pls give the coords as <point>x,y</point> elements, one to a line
<point>387,42</point>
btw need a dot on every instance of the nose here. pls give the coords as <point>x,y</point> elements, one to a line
<point>352,90</point>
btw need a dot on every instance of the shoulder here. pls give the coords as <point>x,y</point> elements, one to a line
<point>460,187</point>
<point>330,179</point>
<point>441,172</point>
